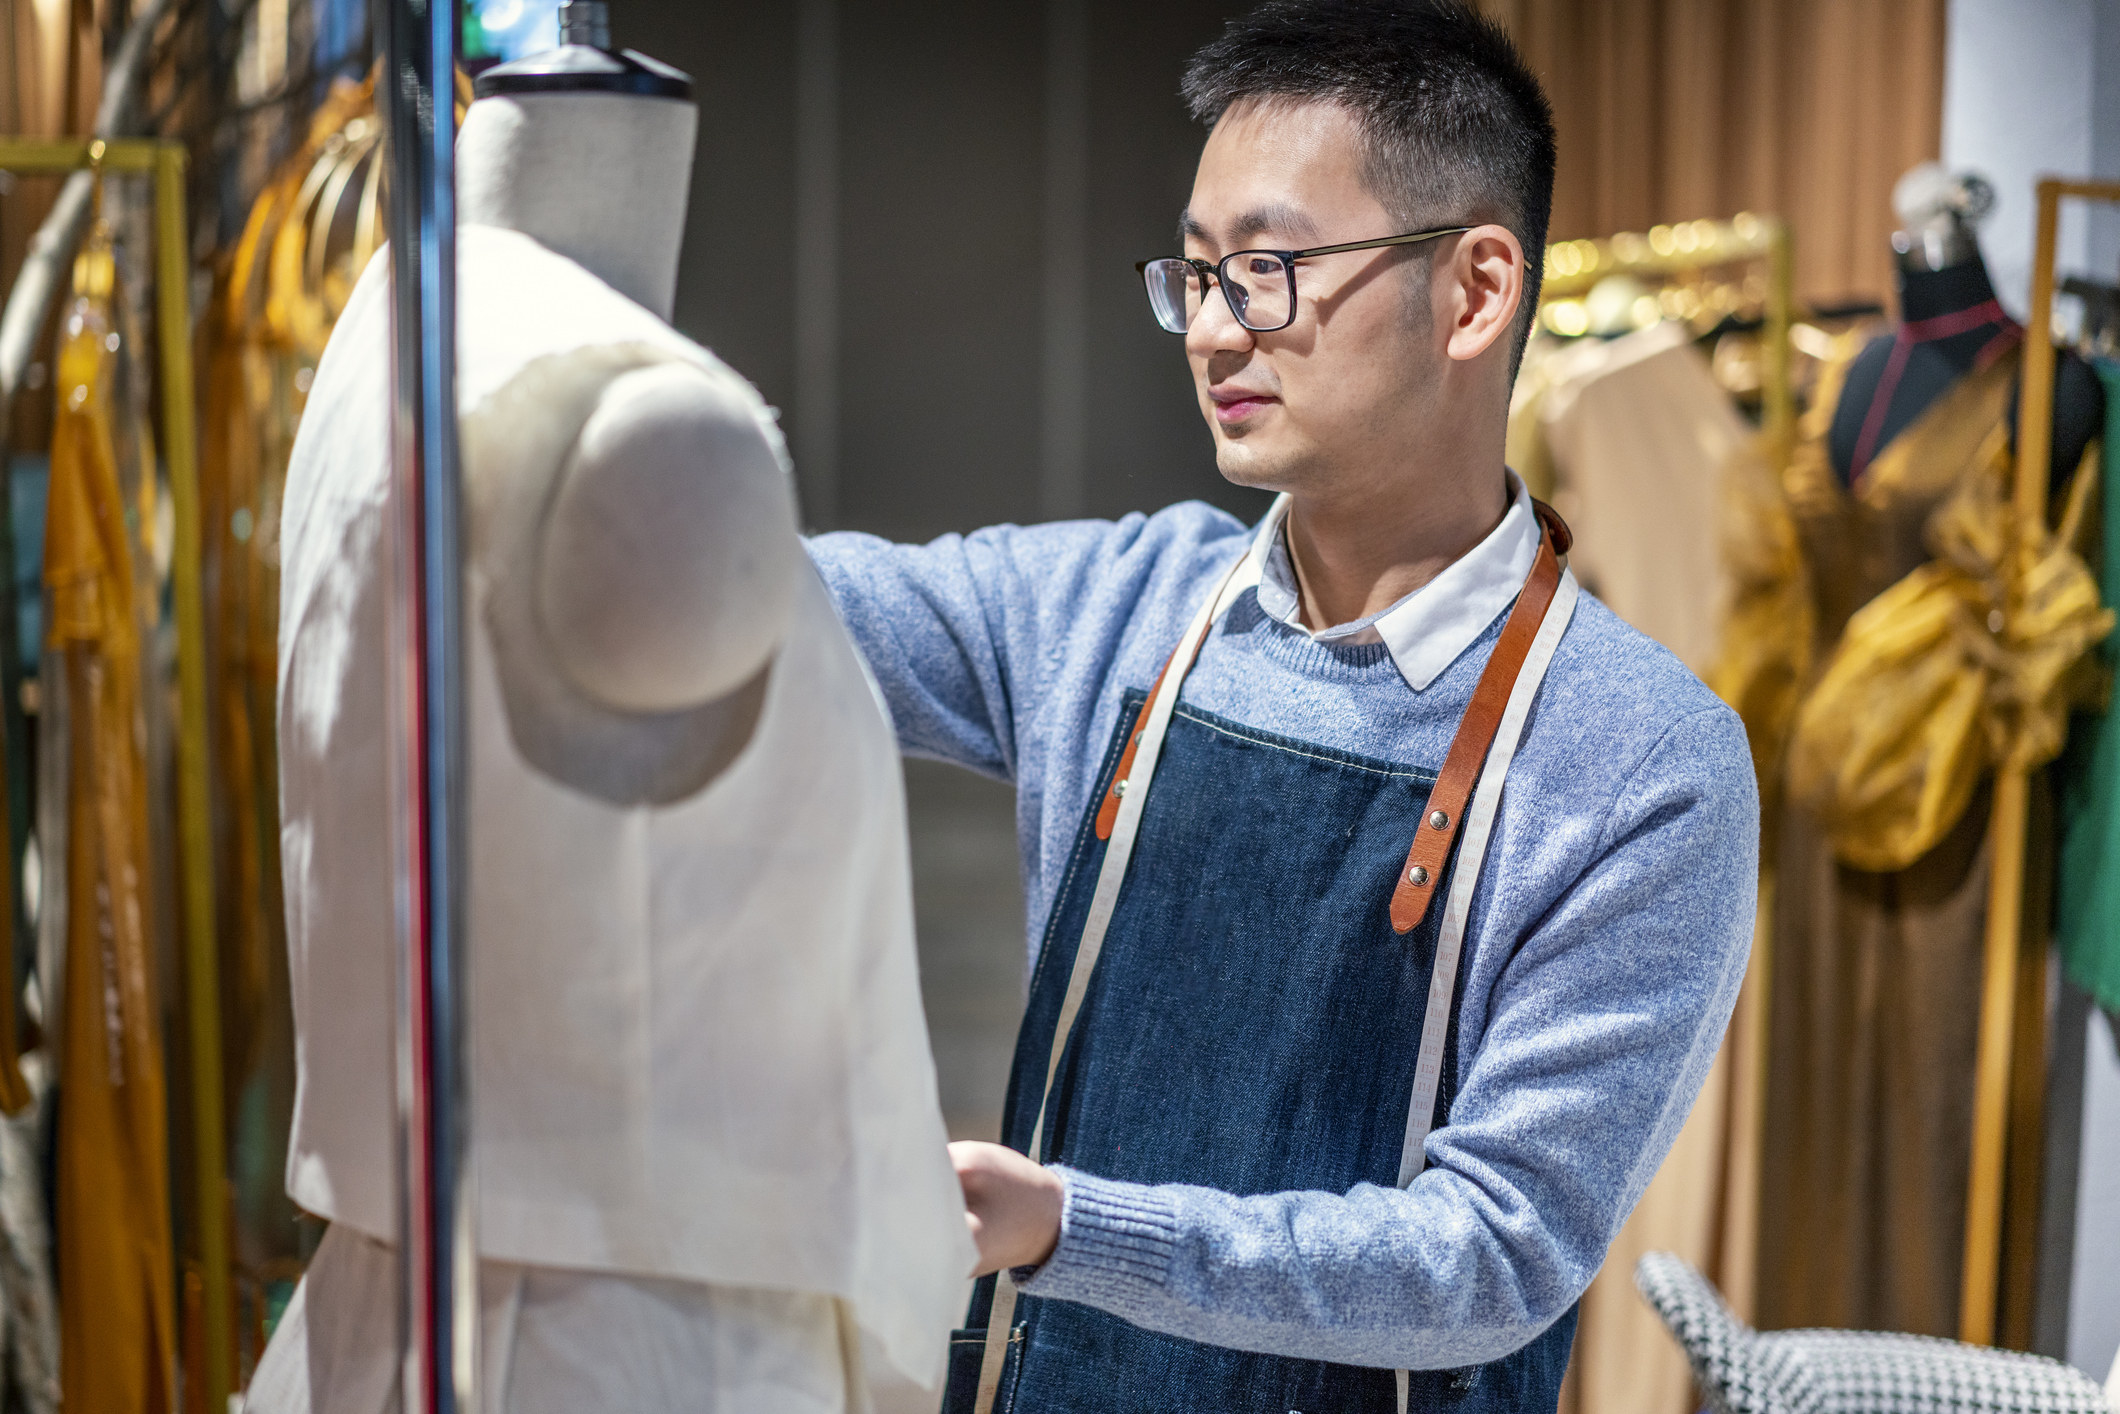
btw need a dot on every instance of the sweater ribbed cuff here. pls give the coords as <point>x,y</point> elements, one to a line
<point>1115,1243</point>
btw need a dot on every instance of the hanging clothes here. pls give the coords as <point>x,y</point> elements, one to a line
<point>2087,913</point>
<point>1866,675</point>
<point>1635,435</point>
<point>117,1302</point>
<point>257,356</point>
<point>28,1323</point>
<point>1639,433</point>
<point>1525,449</point>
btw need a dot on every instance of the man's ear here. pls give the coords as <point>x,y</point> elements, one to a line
<point>1483,283</point>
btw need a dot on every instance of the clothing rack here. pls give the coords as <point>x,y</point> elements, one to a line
<point>1573,267</point>
<point>165,163</point>
<point>2009,1083</point>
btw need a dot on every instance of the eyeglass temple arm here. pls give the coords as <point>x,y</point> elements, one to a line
<point>1412,239</point>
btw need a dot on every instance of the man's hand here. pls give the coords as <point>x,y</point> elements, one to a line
<point>1012,1205</point>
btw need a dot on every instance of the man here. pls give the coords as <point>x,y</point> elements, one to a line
<point>1220,1077</point>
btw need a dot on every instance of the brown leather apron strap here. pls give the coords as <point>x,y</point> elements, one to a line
<point>1475,733</point>
<point>1108,811</point>
<point>1468,749</point>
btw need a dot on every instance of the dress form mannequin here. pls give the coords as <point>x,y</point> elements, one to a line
<point>1945,296</point>
<point>710,1159</point>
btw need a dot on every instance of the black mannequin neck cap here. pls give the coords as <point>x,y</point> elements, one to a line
<point>583,68</point>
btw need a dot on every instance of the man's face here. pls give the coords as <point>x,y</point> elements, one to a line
<point>1354,376</point>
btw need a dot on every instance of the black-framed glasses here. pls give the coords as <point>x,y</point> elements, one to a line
<point>1260,285</point>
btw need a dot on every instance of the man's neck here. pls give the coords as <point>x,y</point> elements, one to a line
<point>1356,558</point>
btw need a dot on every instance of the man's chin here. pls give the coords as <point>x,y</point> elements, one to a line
<point>1250,462</point>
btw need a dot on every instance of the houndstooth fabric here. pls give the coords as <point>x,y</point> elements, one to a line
<point>1743,1371</point>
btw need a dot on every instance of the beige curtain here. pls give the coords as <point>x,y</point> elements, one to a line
<point>1675,109</point>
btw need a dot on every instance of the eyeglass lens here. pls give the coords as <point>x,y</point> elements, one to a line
<point>1257,284</point>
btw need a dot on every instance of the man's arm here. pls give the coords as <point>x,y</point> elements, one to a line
<point>965,632</point>
<point>1602,1030</point>
<point>934,623</point>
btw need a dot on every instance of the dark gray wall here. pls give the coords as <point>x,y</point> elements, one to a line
<point>914,224</point>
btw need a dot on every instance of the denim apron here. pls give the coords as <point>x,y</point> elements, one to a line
<point>1252,1021</point>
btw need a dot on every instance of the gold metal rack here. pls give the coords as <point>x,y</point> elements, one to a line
<point>2014,956</point>
<point>165,163</point>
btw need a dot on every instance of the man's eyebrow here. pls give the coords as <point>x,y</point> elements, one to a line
<point>1279,216</point>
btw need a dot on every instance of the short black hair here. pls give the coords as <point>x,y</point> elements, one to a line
<point>1457,126</point>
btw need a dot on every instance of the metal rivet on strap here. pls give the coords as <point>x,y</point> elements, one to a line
<point>1441,820</point>
<point>1417,875</point>
<point>1119,786</point>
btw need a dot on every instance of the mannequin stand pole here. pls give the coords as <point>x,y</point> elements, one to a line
<point>436,1218</point>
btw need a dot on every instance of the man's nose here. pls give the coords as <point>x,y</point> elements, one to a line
<point>1215,328</point>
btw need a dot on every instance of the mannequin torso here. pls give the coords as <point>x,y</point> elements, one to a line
<point>1964,328</point>
<point>667,553</point>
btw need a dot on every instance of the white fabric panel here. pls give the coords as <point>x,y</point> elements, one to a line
<point>698,1046</point>
<point>559,1342</point>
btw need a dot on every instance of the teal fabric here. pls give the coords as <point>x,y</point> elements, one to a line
<point>2088,897</point>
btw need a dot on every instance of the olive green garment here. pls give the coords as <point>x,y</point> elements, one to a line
<point>2088,903</point>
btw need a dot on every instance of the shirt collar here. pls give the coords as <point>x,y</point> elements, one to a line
<point>1427,630</point>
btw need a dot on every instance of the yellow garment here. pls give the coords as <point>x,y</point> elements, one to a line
<point>1861,655</point>
<point>117,1304</point>
<point>1763,655</point>
<point>1805,552</point>
<point>1971,661</point>
<point>256,369</point>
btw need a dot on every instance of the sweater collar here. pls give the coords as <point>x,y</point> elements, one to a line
<point>1427,630</point>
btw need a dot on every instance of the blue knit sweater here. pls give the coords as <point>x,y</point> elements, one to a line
<point>1608,935</point>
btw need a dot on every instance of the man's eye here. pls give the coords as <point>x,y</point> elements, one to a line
<point>1265,265</point>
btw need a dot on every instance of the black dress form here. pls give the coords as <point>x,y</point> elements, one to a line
<point>1931,367</point>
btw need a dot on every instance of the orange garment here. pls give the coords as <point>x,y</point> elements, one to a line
<point>117,1302</point>
<point>256,368</point>
<point>256,372</point>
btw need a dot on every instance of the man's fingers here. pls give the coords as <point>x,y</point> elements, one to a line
<point>1012,1204</point>
<point>971,1220</point>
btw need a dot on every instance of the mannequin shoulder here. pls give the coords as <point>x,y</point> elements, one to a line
<point>682,421</point>
<point>669,557</point>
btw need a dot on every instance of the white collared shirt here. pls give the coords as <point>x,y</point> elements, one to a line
<point>1427,630</point>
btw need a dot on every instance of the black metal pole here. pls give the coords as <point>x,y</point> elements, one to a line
<point>439,1250</point>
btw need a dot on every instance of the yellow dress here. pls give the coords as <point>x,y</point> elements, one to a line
<point>117,1303</point>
